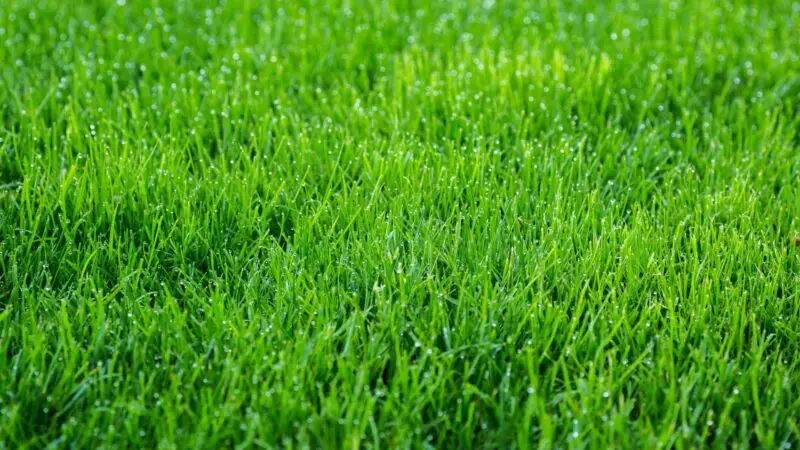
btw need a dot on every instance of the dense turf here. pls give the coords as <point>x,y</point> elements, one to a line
<point>332,224</point>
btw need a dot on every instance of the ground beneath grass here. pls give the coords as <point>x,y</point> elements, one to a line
<point>478,224</point>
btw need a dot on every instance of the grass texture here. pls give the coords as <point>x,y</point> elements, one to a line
<point>396,224</point>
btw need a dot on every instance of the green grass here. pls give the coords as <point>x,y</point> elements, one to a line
<point>383,224</point>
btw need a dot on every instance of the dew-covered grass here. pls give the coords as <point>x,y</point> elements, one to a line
<point>392,224</point>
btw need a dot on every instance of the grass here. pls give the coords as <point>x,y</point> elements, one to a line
<point>336,224</point>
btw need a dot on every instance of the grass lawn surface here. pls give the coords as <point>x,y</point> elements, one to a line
<point>396,224</point>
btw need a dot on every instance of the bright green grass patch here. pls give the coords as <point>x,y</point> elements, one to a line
<point>456,224</point>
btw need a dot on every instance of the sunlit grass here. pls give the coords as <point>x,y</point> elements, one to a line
<point>450,224</point>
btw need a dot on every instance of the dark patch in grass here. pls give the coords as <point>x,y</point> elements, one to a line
<point>11,176</point>
<point>280,226</point>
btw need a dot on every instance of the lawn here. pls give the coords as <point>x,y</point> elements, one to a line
<point>396,224</point>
